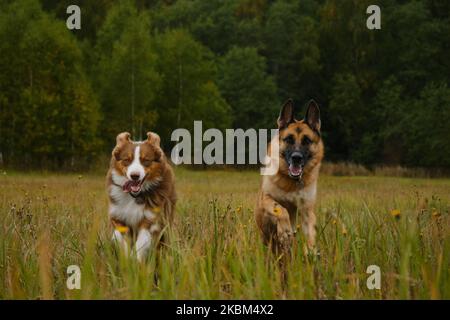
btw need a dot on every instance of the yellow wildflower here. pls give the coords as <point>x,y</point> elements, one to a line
<point>156,209</point>
<point>122,229</point>
<point>277,210</point>
<point>395,213</point>
<point>435,214</point>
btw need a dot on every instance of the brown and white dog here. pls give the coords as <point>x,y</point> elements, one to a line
<point>140,185</point>
<point>294,185</point>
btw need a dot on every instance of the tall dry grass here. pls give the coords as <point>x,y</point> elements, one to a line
<point>49,222</point>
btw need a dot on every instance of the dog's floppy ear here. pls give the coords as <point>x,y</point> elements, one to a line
<point>312,117</point>
<point>121,138</point>
<point>286,114</point>
<point>153,138</point>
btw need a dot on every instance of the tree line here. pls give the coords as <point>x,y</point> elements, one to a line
<point>139,65</point>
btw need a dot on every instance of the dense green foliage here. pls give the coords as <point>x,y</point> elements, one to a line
<point>161,64</point>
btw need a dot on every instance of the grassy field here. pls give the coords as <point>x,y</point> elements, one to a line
<point>49,222</point>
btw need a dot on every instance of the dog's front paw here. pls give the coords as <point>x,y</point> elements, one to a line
<point>311,252</point>
<point>285,233</point>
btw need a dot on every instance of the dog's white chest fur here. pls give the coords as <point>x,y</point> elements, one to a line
<point>125,208</point>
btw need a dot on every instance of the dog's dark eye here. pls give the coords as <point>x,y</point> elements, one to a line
<point>306,141</point>
<point>289,139</point>
<point>146,162</point>
<point>126,162</point>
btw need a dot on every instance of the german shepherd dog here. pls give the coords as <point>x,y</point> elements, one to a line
<point>293,187</point>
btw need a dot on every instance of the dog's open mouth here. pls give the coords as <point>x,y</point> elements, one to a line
<point>295,170</point>
<point>132,186</point>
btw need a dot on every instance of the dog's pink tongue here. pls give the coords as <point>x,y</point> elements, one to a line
<point>127,186</point>
<point>131,186</point>
<point>295,170</point>
<point>135,187</point>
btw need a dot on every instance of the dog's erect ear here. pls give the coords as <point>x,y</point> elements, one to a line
<point>121,139</point>
<point>312,117</point>
<point>286,114</point>
<point>154,138</point>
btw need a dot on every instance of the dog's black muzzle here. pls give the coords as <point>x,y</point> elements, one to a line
<point>297,158</point>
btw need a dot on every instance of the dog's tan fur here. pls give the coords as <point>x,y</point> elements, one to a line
<point>281,197</point>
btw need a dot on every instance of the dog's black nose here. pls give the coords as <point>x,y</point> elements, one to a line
<point>134,176</point>
<point>297,158</point>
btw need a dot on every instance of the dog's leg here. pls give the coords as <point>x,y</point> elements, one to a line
<point>119,239</point>
<point>119,235</point>
<point>276,224</point>
<point>149,233</point>
<point>309,225</point>
<point>143,243</point>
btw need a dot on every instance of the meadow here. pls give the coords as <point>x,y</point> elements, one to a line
<point>50,221</point>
